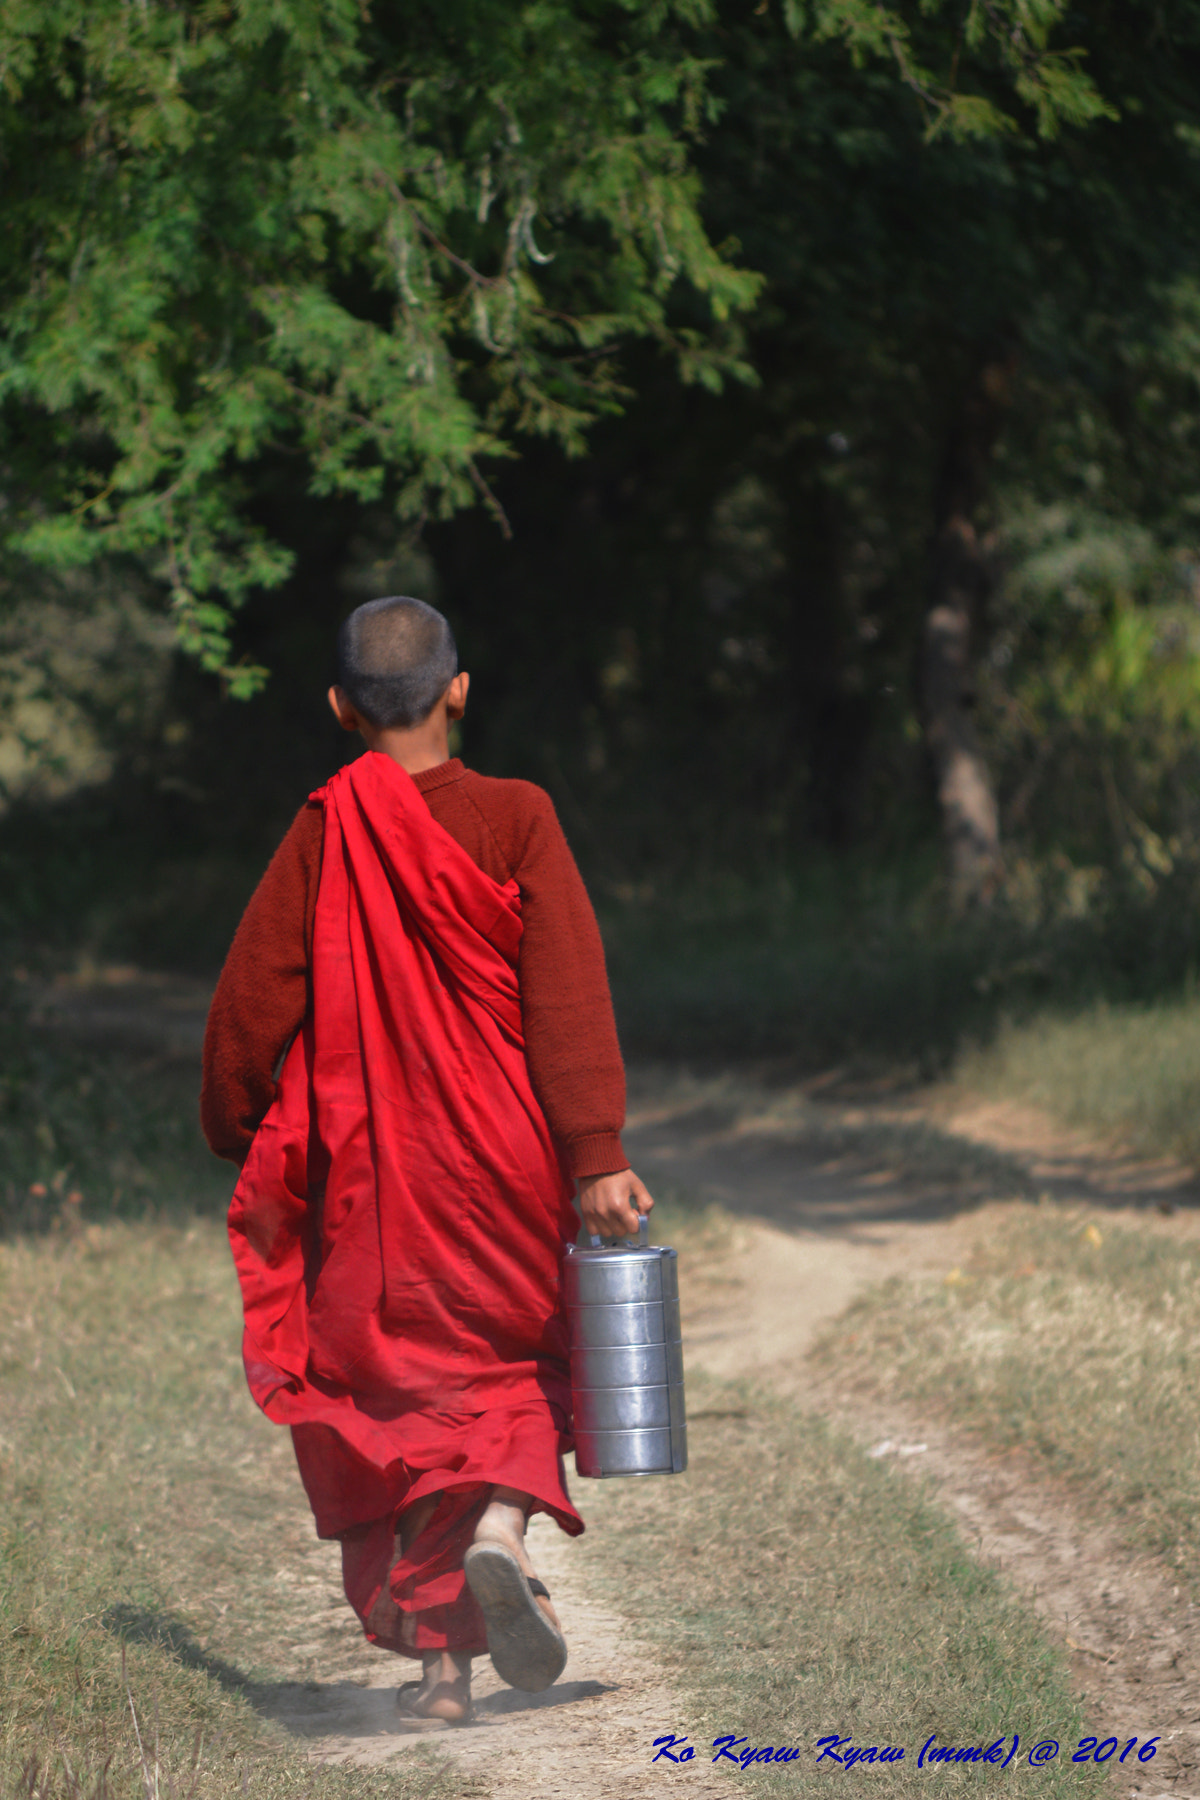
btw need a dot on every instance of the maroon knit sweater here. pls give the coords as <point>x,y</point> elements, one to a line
<point>509,829</point>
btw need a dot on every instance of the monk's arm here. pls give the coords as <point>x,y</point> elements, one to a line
<point>570,1032</point>
<point>261,997</point>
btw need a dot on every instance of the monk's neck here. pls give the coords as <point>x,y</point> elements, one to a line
<point>415,750</point>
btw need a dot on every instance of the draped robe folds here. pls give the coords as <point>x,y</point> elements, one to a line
<point>401,1218</point>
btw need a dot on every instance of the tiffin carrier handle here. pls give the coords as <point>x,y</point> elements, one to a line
<point>642,1240</point>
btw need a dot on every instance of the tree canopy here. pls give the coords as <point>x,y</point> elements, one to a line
<point>833,366</point>
<point>390,243</point>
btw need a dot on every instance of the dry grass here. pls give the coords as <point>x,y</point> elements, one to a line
<point>155,1546</point>
<point>153,1536</point>
<point>1074,1339</point>
<point>1133,1070</point>
<point>798,1588</point>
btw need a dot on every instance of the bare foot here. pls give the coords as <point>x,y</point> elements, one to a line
<point>503,1522</point>
<point>445,1690</point>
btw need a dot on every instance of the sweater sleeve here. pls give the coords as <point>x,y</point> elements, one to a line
<point>262,995</point>
<point>570,1032</point>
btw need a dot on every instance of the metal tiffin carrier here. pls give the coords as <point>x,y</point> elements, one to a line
<point>626,1358</point>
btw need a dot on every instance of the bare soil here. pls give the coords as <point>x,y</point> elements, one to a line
<point>830,1191</point>
<point>866,1190</point>
<point>830,1196</point>
<point>591,1734</point>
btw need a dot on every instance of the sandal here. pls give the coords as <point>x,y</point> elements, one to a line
<point>411,1720</point>
<point>526,1650</point>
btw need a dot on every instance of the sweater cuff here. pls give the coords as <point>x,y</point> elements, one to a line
<point>600,1154</point>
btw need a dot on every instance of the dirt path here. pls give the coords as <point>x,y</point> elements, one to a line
<point>832,1198</point>
<point>591,1734</point>
<point>827,1199</point>
<point>829,1194</point>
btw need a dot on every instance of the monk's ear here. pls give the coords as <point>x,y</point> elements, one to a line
<point>343,712</point>
<point>456,695</point>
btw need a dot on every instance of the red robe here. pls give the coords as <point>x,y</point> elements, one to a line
<point>407,1324</point>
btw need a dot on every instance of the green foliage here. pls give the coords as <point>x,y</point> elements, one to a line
<point>236,231</point>
<point>749,573</point>
<point>1096,676</point>
<point>276,295</point>
<point>1092,685</point>
<point>926,48</point>
<point>384,248</point>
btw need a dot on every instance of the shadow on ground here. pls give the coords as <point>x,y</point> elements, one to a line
<point>308,1709</point>
<point>812,1155</point>
<point>135,1625</point>
<point>822,1165</point>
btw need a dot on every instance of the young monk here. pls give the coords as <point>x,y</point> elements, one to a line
<point>421,969</point>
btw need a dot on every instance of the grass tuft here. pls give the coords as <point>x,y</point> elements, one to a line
<point>1076,1340</point>
<point>156,1553</point>
<point>1133,1070</point>
<point>796,1588</point>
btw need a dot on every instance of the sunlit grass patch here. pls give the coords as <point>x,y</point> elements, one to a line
<point>797,1588</point>
<point>1076,1340</point>
<point>1134,1070</point>
<point>155,1546</point>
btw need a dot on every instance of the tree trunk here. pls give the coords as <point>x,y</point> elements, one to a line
<point>960,577</point>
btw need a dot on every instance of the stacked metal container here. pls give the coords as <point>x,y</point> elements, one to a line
<point>626,1359</point>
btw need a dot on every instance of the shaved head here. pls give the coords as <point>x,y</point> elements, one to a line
<point>395,660</point>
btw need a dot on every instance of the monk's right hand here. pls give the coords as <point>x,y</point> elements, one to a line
<point>608,1204</point>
